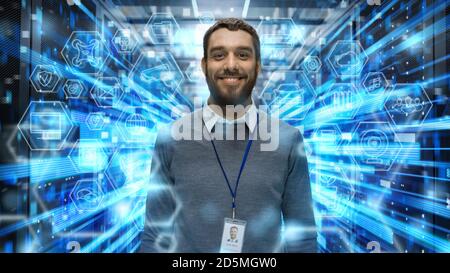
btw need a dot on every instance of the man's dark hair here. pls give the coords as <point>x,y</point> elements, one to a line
<point>233,24</point>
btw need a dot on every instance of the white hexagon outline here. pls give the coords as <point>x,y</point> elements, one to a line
<point>65,113</point>
<point>116,155</point>
<point>169,17</point>
<point>188,71</point>
<point>55,72</point>
<point>347,181</point>
<point>339,142</point>
<point>305,79</point>
<point>362,51</point>
<point>67,93</point>
<point>355,91</point>
<point>77,185</point>
<point>307,58</point>
<point>397,150</point>
<point>139,60</point>
<point>298,50</point>
<point>385,87</point>
<point>122,133</point>
<point>101,79</point>
<point>75,146</point>
<point>96,114</point>
<point>134,211</point>
<point>102,40</point>
<point>132,36</point>
<point>406,84</point>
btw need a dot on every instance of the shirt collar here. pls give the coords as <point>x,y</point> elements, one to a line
<point>211,118</point>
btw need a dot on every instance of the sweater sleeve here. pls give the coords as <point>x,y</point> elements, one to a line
<point>297,204</point>
<point>161,202</point>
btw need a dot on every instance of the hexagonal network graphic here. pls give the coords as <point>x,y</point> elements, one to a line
<point>207,18</point>
<point>326,138</point>
<point>347,58</point>
<point>129,165</point>
<point>312,64</point>
<point>281,42</point>
<point>408,103</point>
<point>375,83</point>
<point>73,88</point>
<point>138,213</point>
<point>194,72</point>
<point>161,28</point>
<point>45,78</point>
<point>88,155</point>
<point>136,125</point>
<point>107,92</point>
<point>289,94</point>
<point>342,100</point>
<point>124,41</point>
<point>87,195</point>
<point>45,125</point>
<point>155,76</point>
<point>374,144</point>
<point>333,191</point>
<point>85,52</point>
<point>95,121</point>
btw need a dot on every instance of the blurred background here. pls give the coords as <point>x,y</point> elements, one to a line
<point>86,85</point>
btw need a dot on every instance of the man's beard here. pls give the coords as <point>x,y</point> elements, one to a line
<point>236,99</point>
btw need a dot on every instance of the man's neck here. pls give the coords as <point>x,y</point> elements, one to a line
<point>230,115</point>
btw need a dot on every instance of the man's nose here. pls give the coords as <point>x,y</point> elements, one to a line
<point>231,63</point>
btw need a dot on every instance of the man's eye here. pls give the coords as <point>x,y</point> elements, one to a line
<point>243,55</point>
<point>218,55</point>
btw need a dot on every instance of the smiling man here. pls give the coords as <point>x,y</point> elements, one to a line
<point>204,187</point>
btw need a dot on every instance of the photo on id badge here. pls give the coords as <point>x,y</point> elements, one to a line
<point>233,236</point>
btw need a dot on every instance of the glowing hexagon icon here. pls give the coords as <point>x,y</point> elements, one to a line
<point>45,125</point>
<point>88,155</point>
<point>289,94</point>
<point>107,92</point>
<point>342,101</point>
<point>207,18</point>
<point>312,64</point>
<point>375,83</point>
<point>374,144</point>
<point>408,103</point>
<point>155,76</point>
<point>95,121</point>
<point>347,58</point>
<point>85,52</point>
<point>332,191</point>
<point>194,72</point>
<point>326,138</point>
<point>87,195</point>
<point>281,42</point>
<point>45,78</point>
<point>161,28</point>
<point>73,88</point>
<point>136,125</point>
<point>129,166</point>
<point>124,41</point>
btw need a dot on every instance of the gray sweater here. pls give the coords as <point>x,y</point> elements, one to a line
<point>188,198</point>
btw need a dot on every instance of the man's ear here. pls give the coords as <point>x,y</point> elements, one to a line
<point>204,66</point>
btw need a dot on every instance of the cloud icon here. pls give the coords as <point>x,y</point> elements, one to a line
<point>349,58</point>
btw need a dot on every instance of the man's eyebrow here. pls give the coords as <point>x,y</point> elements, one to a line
<point>245,48</point>
<point>217,48</point>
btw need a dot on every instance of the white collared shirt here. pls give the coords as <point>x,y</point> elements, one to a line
<point>211,118</point>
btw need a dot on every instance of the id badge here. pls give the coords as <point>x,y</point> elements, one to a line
<point>233,236</point>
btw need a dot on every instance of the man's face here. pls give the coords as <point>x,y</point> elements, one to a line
<point>230,68</point>
<point>233,233</point>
